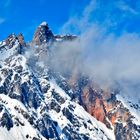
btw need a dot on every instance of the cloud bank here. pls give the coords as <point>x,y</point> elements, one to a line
<point>100,51</point>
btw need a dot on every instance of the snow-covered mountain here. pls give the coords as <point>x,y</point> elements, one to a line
<point>37,103</point>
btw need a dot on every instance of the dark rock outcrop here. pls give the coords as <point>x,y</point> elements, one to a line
<point>43,34</point>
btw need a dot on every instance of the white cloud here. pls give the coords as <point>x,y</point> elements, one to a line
<point>104,56</point>
<point>80,20</point>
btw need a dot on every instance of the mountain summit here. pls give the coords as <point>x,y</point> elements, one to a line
<point>42,34</point>
<point>39,103</point>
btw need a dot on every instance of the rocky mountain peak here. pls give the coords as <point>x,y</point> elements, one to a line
<point>10,40</point>
<point>13,38</point>
<point>42,34</point>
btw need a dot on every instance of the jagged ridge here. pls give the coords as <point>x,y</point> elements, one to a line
<point>34,106</point>
<point>36,99</point>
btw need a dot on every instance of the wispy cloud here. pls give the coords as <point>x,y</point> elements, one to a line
<point>126,8</point>
<point>78,21</point>
<point>99,53</point>
<point>110,14</point>
<point>2,20</point>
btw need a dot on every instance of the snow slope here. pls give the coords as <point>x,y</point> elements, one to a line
<point>33,106</point>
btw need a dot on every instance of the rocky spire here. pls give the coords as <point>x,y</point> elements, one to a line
<point>21,39</point>
<point>42,34</point>
<point>10,40</point>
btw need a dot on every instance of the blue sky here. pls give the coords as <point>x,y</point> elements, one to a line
<point>25,15</point>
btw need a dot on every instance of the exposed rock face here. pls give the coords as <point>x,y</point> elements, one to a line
<point>12,38</point>
<point>42,34</point>
<point>106,108</point>
<point>21,39</point>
